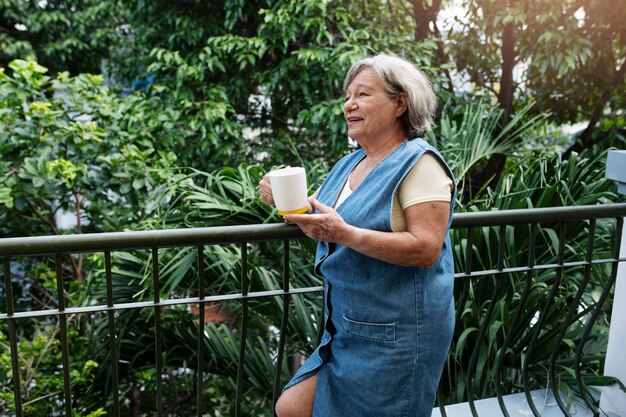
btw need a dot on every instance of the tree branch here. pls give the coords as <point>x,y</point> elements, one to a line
<point>584,140</point>
<point>46,221</point>
<point>423,15</point>
<point>443,58</point>
<point>508,63</point>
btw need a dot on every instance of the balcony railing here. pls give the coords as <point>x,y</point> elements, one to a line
<point>533,291</point>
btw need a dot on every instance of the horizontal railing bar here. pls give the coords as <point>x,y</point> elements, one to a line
<point>146,239</point>
<point>272,293</point>
<point>163,303</point>
<point>538,215</point>
<point>94,242</point>
<point>488,272</point>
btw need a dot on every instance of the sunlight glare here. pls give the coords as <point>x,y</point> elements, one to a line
<point>580,16</point>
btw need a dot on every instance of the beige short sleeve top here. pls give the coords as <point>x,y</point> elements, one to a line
<point>427,181</point>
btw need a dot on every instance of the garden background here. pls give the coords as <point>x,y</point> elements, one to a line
<point>137,115</point>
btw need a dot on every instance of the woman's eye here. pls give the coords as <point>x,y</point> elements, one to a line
<point>362,94</point>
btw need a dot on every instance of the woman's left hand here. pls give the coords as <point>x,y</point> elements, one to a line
<point>327,225</point>
<point>420,245</point>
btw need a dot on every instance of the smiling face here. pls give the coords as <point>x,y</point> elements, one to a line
<point>370,113</point>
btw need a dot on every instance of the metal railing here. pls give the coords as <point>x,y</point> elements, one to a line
<point>487,239</point>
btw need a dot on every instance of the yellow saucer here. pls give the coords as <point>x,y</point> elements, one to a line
<point>298,211</point>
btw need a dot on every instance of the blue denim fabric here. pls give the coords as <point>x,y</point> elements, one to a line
<point>387,328</point>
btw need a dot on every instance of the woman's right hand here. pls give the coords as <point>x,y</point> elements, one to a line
<point>265,190</point>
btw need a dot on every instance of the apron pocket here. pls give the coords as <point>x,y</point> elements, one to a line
<point>375,332</point>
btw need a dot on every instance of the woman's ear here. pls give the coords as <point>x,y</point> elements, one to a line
<point>400,104</point>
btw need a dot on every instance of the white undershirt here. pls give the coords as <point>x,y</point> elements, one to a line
<point>426,181</point>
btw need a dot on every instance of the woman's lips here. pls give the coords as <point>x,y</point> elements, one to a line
<point>353,120</point>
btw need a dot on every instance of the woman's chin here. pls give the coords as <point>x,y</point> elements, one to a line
<point>355,134</point>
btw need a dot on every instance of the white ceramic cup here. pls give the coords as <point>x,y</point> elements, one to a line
<point>289,190</point>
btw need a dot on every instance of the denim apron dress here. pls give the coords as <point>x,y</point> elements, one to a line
<point>387,328</point>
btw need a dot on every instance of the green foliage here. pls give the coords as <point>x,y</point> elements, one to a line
<point>469,134</point>
<point>39,353</point>
<point>568,53</point>
<point>194,94</point>
<point>281,66</point>
<point>520,300</point>
<point>225,196</point>
<point>72,144</point>
<point>550,182</point>
<point>62,35</point>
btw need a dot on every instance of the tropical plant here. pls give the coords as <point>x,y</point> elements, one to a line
<point>507,307</point>
<point>469,134</point>
<point>226,196</point>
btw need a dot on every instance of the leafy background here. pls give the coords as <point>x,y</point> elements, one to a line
<point>123,115</point>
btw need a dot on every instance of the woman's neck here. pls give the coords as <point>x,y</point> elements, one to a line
<point>382,147</point>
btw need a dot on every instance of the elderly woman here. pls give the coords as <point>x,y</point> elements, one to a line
<point>381,218</point>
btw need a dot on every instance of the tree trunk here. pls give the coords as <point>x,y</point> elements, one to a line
<point>505,97</point>
<point>423,14</point>
<point>442,59</point>
<point>490,175</point>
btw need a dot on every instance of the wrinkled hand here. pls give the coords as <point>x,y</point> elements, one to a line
<point>327,225</point>
<point>265,190</point>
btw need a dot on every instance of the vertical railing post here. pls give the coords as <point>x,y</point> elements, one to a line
<point>65,356</point>
<point>483,328</point>
<point>15,364</point>
<point>201,307</point>
<point>554,381</point>
<point>573,311</point>
<point>244,328</point>
<point>514,322</point>
<point>283,323</point>
<point>538,327</point>
<point>112,335</point>
<point>157,332</point>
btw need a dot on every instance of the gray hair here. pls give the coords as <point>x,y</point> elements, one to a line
<point>400,76</point>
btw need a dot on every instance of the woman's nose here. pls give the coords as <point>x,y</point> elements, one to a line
<point>349,104</point>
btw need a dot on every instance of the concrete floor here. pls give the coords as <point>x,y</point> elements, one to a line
<point>517,406</point>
